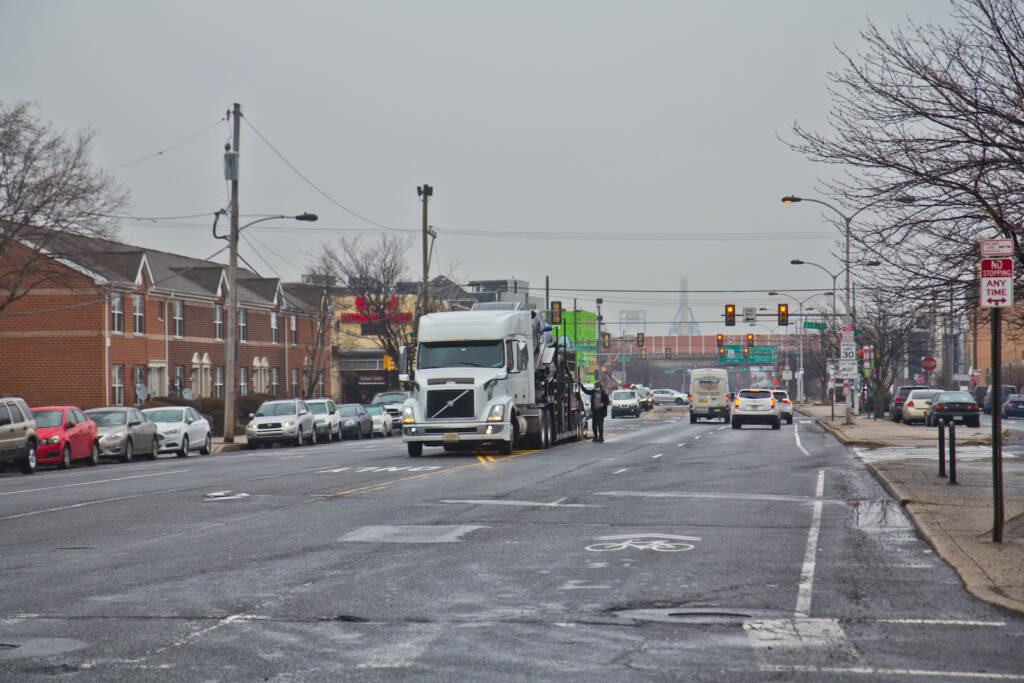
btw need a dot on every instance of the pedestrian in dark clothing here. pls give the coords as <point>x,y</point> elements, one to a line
<point>598,411</point>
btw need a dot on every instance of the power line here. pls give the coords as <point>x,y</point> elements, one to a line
<point>314,185</point>
<point>174,146</point>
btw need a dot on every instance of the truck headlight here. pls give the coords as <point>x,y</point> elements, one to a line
<point>408,417</point>
<point>497,413</point>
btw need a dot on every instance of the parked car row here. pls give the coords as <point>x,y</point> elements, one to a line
<point>297,422</point>
<point>930,405</point>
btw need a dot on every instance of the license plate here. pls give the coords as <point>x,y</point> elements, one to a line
<point>451,437</point>
<point>958,418</point>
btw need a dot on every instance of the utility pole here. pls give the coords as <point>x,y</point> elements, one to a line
<point>425,191</point>
<point>231,338</point>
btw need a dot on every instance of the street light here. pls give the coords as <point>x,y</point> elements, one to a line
<point>230,357</point>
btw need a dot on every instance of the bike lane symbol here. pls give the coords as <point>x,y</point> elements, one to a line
<point>666,543</point>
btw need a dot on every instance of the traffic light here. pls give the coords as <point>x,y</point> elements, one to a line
<point>783,314</point>
<point>750,339</point>
<point>721,353</point>
<point>640,339</point>
<point>746,353</point>
<point>730,315</point>
<point>556,312</point>
<point>389,363</point>
<point>643,354</point>
<point>606,340</point>
<point>668,352</point>
<point>721,341</point>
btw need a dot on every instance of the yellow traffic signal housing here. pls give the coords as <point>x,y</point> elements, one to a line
<point>730,315</point>
<point>606,340</point>
<point>783,314</point>
<point>640,339</point>
<point>746,353</point>
<point>668,352</point>
<point>721,353</point>
<point>643,354</point>
<point>556,312</point>
<point>389,363</point>
<point>721,340</point>
<point>750,339</point>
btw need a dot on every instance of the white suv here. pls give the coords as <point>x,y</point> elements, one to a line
<point>785,405</point>
<point>756,406</point>
<point>625,402</point>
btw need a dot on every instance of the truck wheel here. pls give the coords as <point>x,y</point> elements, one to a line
<point>506,447</point>
<point>736,424</point>
<point>415,449</point>
<point>547,432</point>
<point>777,424</point>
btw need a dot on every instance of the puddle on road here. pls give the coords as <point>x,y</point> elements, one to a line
<point>879,515</point>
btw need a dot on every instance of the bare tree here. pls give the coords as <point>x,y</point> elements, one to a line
<point>50,192</point>
<point>887,322</point>
<point>934,114</point>
<point>372,272</point>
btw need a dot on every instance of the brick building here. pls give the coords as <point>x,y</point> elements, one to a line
<point>112,319</point>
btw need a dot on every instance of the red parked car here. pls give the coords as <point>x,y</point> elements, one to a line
<point>65,435</point>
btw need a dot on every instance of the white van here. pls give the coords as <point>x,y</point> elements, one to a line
<point>709,394</point>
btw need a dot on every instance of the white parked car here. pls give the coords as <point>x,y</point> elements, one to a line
<point>181,429</point>
<point>756,406</point>
<point>280,421</point>
<point>670,396</point>
<point>326,418</point>
<point>382,424</point>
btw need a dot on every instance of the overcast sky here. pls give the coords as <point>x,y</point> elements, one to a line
<point>650,127</point>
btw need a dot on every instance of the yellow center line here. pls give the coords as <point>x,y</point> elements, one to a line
<point>369,488</point>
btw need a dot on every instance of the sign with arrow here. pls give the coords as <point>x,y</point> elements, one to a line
<point>996,282</point>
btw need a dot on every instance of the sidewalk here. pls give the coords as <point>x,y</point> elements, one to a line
<point>956,521</point>
<point>219,446</point>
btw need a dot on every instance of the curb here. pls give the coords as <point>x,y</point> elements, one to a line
<point>974,580</point>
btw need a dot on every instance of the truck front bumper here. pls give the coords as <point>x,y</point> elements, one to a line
<point>430,434</point>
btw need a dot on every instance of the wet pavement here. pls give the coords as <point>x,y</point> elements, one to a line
<point>956,520</point>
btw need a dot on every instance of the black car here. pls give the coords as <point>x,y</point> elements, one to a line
<point>958,406</point>
<point>356,423</point>
<point>1013,406</point>
<point>997,401</point>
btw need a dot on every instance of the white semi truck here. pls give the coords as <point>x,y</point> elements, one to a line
<point>482,377</point>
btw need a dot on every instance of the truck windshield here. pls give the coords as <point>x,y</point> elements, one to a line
<point>474,354</point>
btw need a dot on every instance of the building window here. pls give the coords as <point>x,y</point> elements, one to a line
<point>243,326</point>
<point>295,382</point>
<point>138,313</point>
<point>179,380</point>
<point>116,313</point>
<point>218,382</point>
<point>274,379</point>
<point>274,336</point>
<point>179,318</point>
<point>294,329</point>
<point>243,382</point>
<point>117,385</point>
<point>218,322</point>
<point>138,377</point>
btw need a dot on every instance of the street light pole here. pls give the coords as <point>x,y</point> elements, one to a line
<point>231,336</point>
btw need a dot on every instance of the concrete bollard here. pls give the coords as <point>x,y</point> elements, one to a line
<point>942,448</point>
<point>952,453</point>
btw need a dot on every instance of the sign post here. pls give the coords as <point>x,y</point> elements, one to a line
<point>996,294</point>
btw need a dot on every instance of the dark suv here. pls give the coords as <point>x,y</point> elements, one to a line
<point>900,397</point>
<point>19,441</point>
<point>986,406</point>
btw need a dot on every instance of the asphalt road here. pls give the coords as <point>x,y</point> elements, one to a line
<point>670,552</point>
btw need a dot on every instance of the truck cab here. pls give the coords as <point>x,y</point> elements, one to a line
<point>475,381</point>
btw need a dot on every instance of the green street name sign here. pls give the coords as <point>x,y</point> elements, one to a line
<point>811,325</point>
<point>758,354</point>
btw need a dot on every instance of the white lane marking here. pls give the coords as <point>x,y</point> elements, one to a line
<point>806,589</point>
<point>940,622</point>
<point>518,503</point>
<point>695,438</point>
<point>721,428</point>
<point>578,585</point>
<point>711,495</point>
<point>658,455</point>
<point>225,495</point>
<point>878,673</point>
<point>619,471</point>
<point>680,445</point>
<point>90,483</point>
<point>796,435</point>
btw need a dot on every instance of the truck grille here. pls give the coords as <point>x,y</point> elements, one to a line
<point>439,398</point>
